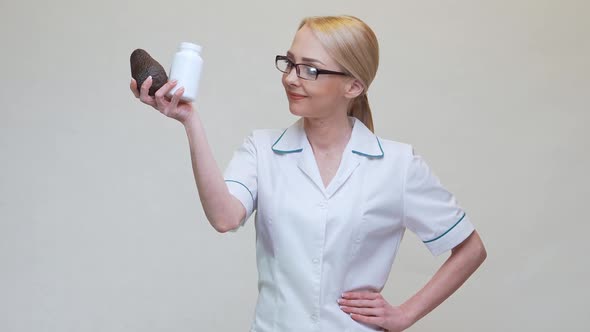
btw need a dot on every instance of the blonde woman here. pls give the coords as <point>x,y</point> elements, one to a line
<point>332,199</point>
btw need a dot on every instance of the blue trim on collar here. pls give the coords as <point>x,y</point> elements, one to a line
<point>370,155</point>
<point>283,151</point>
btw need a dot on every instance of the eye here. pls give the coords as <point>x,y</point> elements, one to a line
<point>283,64</point>
<point>310,71</point>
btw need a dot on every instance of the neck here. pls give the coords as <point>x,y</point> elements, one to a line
<point>328,134</point>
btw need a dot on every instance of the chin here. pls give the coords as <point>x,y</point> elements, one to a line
<point>296,110</point>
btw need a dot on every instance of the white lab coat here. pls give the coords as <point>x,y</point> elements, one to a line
<point>313,242</point>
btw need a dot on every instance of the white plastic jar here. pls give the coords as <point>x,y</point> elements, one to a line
<point>186,68</point>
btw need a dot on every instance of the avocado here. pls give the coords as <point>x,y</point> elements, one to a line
<point>142,66</point>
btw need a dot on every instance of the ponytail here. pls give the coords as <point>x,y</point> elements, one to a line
<point>360,109</point>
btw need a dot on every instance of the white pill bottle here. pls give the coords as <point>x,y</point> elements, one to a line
<point>186,68</point>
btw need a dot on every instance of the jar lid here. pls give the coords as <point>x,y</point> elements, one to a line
<point>190,46</point>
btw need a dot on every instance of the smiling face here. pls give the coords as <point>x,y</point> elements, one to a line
<point>329,94</point>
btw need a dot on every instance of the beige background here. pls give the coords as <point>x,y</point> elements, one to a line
<point>101,228</point>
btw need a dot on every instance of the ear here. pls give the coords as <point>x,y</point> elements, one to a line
<point>353,88</point>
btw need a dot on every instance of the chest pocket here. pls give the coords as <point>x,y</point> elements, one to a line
<point>380,218</point>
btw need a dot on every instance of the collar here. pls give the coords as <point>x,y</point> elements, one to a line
<point>362,141</point>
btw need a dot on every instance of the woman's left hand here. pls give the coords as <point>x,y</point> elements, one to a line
<point>371,308</point>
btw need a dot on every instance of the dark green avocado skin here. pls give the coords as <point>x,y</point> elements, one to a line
<point>142,66</point>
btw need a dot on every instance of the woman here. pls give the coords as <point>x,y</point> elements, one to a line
<point>332,199</point>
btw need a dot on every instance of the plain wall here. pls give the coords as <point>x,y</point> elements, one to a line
<point>101,228</point>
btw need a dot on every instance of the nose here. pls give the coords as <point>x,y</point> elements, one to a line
<point>291,78</point>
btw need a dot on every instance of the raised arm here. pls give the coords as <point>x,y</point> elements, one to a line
<point>223,210</point>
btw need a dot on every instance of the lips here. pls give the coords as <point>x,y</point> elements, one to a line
<point>295,96</point>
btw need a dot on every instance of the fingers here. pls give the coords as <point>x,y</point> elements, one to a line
<point>144,92</point>
<point>176,98</point>
<point>365,311</point>
<point>361,295</point>
<point>362,303</point>
<point>160,95</point>
<point>368,319</point>
<point>133,87</point>
<point>371,308</point>
<point>378,312</point>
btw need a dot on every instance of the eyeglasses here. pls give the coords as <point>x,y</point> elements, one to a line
<point>303,71</point>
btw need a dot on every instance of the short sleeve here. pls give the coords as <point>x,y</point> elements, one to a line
<point>432,212</point>
<point>241,176</point>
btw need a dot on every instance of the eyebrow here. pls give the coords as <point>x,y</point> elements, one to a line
<point>289,54</point>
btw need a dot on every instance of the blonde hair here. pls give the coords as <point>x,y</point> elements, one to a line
<point>353,45</point>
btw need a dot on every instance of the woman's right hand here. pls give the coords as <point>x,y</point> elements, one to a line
<point>171,107</point>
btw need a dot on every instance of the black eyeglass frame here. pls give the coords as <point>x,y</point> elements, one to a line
<point>297,70</point>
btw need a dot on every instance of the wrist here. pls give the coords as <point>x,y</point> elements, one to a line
<point>410,315</point>
<point>191,122</point>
